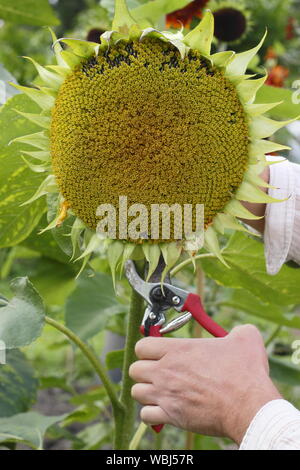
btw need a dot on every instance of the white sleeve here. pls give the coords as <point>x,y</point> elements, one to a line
<point>282,221</point>
<point>276,426</point>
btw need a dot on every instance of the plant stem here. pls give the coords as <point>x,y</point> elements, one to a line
<point>273,335</point>
<point>188,261</point>
<point>94,361</point>
<point>138,436</point>
<point>125,423</point>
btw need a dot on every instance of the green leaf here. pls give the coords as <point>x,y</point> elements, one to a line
<point>28,12</point>
<point>22,319</point>
<point>53,381</point>
<point>206,443</point>
<point>28,428</point>
<point>243,300</point>
<point>114,359</point>
<point>95,394</point>
<point>284,372</point>
<point>83,414</point>
<point>18,384</point>
<point>154,10</point>
<point>17,182</point>
<point>45,243</point>
<point>92,303</point>
<point>245,256</point>
<point>94,436</point>
<point>287,109</point>
<point>54,280</point>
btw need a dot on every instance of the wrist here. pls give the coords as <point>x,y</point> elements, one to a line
<point>246,408</point>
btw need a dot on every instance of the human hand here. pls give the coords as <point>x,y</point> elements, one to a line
<point>208,386</point>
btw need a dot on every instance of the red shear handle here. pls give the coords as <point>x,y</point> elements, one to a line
<point>194,306</point>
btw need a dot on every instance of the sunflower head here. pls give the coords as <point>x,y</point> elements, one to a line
<point>155,117</point>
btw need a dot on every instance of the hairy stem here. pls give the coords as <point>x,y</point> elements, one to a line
<point>94,361</point>
<point>125,423</point>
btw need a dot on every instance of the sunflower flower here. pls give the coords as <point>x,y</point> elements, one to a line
<point>157,117</point>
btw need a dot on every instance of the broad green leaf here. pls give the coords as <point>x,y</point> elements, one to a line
<point>18,384</point>
<point>28,12</point>
<point>97,393</point>
<point>91,304</point>
<point>245,257</point>
<point>284,372</point>
<point>244,300</point>
<point>17,182</point>
<point>52,381</point>
<point>28,428</point>
<point>83,414</point>
<point>114,359</point>
<point>45,243</point>
<point>287,109</point>
<point>54,280</point>
<point>22,319</point>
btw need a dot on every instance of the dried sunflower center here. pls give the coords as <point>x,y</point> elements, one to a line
<point>141,122</point>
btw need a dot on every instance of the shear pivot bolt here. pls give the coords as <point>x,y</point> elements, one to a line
<point>176,300</point>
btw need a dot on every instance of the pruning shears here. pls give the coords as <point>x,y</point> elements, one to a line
<point>162,296</point>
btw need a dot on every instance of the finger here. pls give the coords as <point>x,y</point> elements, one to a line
<point>144,394</point>
<point>154,348</point>
<point>246,332</point>
<point>142,371</point>
<point>154,415</point>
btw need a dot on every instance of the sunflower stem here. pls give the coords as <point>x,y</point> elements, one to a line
<point>125,423</point>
